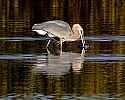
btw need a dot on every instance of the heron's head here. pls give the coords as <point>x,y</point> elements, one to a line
<point>77,31</point>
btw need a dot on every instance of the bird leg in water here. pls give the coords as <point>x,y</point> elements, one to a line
<point>50,38</point>
<point>61,40</point>
<point>48,43</point>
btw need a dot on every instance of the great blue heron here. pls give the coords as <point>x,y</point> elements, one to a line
<point>60,29</point>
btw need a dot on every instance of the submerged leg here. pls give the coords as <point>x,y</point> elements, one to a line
<point>48,43</point>
<point>61,45</point>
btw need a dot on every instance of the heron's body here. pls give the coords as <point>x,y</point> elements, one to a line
<point>60,29</point>
<point>54,28</point>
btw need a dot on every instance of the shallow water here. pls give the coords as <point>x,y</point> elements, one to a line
<point>29,71</point>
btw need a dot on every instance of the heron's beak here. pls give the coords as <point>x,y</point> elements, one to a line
<point>81,32</point>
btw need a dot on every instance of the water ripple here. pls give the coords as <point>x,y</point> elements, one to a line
<point>90,38</point>
<point>105,57</point>
<point>38,96</point>
<point>65,57</point>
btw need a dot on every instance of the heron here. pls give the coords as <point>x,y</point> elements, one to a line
<point>60,29</point>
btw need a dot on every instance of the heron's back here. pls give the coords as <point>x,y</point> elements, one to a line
<point>58,28</point>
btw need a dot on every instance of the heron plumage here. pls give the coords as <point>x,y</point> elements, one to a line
<point>55,28</point>
<point>60,29</point>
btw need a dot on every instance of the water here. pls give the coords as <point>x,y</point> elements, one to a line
<point>29,71</point>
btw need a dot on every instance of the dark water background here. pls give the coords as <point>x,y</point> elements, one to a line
<point>28,71</point>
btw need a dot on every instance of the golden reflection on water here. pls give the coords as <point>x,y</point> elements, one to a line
<point>26,75</point>
<point>62,75</point>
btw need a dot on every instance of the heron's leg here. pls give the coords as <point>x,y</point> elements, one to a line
<point>61,45</point>
<point>48,51</point>
<point>48,43</point>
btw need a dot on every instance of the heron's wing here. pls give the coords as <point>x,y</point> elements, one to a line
<point>58,28</point>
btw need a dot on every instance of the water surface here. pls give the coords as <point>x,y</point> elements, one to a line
<point>29,71</point>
